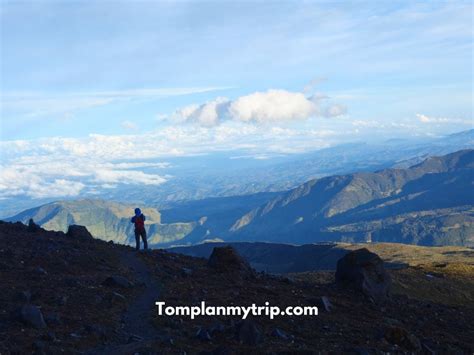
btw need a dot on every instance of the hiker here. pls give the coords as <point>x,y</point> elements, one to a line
<point>139,221</point>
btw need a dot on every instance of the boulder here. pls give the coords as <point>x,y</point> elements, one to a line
<point>364,271</point>
<point>186,271</point>
<point>117,281</point>
<point>278,333</point>
<point>326,303</point>
<point>133,338</point>
<point>40,271</point>
<point>77,231</point>
<point>203,334</point>
<point>33,227</point>
<point>400,336</point>
<point>226,259</point>
<point>32,316</point>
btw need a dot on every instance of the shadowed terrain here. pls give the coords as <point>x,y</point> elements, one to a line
<point>69,293</point>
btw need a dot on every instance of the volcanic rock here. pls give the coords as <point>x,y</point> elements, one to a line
<point>77,231</point>
<point>32,316</point>
<point>33,227</point>
<point>117,281</point>
<point>226,259</point>
<point>364,271</point>
<point>400,336</point>
<point>203,334</point>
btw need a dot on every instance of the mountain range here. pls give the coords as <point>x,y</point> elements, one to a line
<point>240,172</point>
<point>105,220</point>
<point>429,203</point>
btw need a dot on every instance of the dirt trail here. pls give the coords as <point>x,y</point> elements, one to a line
<point>138,331</point>
<point>138,316</point>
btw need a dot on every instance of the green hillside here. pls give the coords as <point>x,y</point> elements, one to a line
<point>106,220</point>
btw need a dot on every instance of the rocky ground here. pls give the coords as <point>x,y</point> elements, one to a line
<point>72,294</point>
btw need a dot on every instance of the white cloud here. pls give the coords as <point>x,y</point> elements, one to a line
<point>335,110</point>
<point>272,106</point>
<point>71,166</point>
<point>16,180</point>
<point>206,115</point>
<point>269,107</point>
<point>127,177</point>
<point>48,170</point>
<point>443,120</point>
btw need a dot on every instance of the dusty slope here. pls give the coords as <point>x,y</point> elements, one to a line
<point>83,314</point>
<point>354,324</point>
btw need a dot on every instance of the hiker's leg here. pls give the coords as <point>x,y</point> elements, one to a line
<point>137,240</point>
<point>145,243</point>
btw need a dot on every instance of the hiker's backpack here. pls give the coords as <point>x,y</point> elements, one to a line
<point>139,222</point>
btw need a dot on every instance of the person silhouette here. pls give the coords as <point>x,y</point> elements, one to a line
<point>139,221</point>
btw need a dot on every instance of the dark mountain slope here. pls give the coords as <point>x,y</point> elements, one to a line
<point>80,309</point>
<point>321,209</point>
<point>286,258</point>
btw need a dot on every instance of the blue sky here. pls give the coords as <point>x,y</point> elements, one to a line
<point>75,68</point>
<point>105,80</point>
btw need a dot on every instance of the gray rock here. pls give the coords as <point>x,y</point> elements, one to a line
<point>116,297</point>
<point>326,303</point>
<point>40,271</point>
<point>186,271</point>
<point>32,316</point>
<point>117,281</point>
<point>134,338</point>
<point>77,231</point>
<point>278,333</point>
<point>400,336</point>
<point>203,334</point>
<point>364,271</point>
<point>33,227</point>
<point>226,259</point>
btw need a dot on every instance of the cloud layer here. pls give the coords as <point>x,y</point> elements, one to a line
<point>56,167</point>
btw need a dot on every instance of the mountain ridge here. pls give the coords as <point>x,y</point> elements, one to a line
<point>106,220</point>
<point>335,200</point>
<point>427,204</point>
